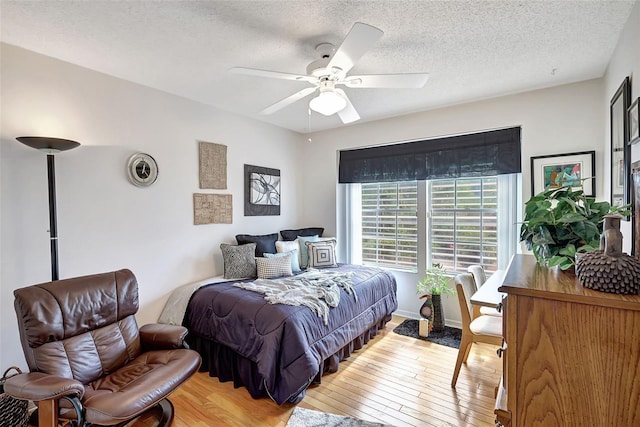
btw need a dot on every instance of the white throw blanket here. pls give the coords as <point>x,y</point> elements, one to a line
<point>316,289</point>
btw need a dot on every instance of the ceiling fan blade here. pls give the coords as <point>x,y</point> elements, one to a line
<point>272,74</point>
<point>348,114</point>
<point>360,38</point>
<point>288,100</point>
<point>394,81</point>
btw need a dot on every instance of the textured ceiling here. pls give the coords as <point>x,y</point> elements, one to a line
<point>471,49</point>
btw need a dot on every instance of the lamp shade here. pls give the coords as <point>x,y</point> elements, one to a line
<point>47,144</point>
<point>327,103</point>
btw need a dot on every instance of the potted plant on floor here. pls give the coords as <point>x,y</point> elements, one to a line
<point>560,222</point>
<point>431,287</point>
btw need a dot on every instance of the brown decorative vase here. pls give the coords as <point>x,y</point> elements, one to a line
<point>608,269</point>
<point>438,317</point>
<point>432,311</point>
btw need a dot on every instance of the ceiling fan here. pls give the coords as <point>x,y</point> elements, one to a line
<point>331,70</point>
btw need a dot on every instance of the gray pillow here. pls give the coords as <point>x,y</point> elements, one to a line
<point>239,260</point>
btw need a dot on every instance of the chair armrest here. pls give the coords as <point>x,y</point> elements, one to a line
<point>156,336</point>
<point>39,386</point>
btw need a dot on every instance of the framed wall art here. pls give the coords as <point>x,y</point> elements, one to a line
<point>620,150</point>
<point>561,170</point>
<point>633,117</point>
<point>212,160</point>
<point>261,191</point>
<point>212,209</point>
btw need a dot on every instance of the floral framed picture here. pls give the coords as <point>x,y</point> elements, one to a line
<point>261,191</point>
<point>620,150</point>
<point>634,122</point>
<point>575,170</point>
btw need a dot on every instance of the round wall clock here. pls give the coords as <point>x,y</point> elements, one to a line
<point>142,169</point>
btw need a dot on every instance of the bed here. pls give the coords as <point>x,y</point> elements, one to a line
<point>279,350</point>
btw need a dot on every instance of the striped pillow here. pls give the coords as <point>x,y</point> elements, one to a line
<point>270,268</point>
<point>322,253</point>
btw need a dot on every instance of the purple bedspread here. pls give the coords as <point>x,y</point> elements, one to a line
<point>285,346</point>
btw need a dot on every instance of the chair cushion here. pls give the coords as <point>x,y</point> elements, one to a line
<point>487,325</point>
<point>489,311</point>
<point>79,327</point>
<point>136,387</point>
<point>65,308</point>
<point>478,274</point>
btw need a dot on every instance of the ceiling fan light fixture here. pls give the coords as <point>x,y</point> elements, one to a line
<point>327,103</point>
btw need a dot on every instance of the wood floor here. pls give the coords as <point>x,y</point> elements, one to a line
<point>394,380</point>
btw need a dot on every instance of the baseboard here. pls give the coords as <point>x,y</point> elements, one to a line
<point>407,314</point>
<point>453,324</point>
<point>414,315</point>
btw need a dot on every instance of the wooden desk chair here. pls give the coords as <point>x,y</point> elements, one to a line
<point>479,276</point>
<point>484,329</point>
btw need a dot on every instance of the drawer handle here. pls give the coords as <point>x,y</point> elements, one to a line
<point>499,307</point>
<point>500,351</point>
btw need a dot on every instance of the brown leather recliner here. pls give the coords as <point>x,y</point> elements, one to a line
<point>88,360</point>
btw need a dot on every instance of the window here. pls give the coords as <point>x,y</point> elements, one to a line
<point>462,188</point>
<point>464,221</point>
<point>389,224</point>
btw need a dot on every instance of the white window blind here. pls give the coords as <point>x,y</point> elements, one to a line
<point>455,222</point>
<point>463,222</point>
<point>389,224</point>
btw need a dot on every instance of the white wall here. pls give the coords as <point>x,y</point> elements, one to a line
<point>558,120</point>
<point>104,222</point>
<point>624,62</point>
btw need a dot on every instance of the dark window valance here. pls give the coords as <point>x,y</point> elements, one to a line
<point>480,154</point>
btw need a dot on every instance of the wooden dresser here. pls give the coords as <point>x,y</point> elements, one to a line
<point>571,355</point>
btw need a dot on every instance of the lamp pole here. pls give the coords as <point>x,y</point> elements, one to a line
<point>53,219</point>
<point>51,146</point>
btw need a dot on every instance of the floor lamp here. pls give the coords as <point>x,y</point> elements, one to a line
<point>50,146</point>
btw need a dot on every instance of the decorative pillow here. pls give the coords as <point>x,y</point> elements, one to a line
<point>304,253</point>
<point>295,263</point>
<point>239,261</point>
<point>288,246</point>
<point>264,243</point>
<point>270,268</point>
<point>322,253</point>
<point>290,235</point>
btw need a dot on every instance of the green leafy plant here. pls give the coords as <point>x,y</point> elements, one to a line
<point>435,282</point>
<point>561,221</point>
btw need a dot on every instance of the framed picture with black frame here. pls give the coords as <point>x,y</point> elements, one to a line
<point>620,149</point>
<point>576,170</point>
<point>261,191</point>
<point>633,117</point>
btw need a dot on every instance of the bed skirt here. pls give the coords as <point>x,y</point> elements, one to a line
<point>222,362</point>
